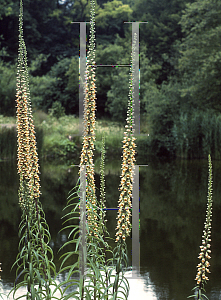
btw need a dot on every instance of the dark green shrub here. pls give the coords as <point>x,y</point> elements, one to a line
<point>162,111</point>
<point>56,146</point>
<point>57,110</point>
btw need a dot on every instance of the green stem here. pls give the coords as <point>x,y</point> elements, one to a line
<point>95,286</point>
<point>82,290</point>
<point>40,237</point>
<point>118,269</point>
<point>105,257</point>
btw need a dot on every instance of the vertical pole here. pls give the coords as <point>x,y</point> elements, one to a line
<point>135,224</point>
<point>82,245</point>
<point>82,70</point>
<point>135,30</point>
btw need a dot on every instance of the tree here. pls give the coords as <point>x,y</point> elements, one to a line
<point>106,76</point>
<point>200,63</point>
<point>160,33</point>
<point>7,89</point>
<point>109,19</point>
<point>8,29</point>
<point>117,96</point>
<point>45,28</point>
<point>53,87</point>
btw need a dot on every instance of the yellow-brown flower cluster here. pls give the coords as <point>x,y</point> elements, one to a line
<point>204,256</point>
<point>28,168</point>
<point>0,270</point>
<point>126,187</point>
<point>89,124</point>
<point>127,170</point>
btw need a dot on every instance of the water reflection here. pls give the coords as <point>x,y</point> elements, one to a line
<point>172,213</point>
<point>138,289</point>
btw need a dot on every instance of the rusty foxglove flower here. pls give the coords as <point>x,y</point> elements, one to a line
<point>127,169</point>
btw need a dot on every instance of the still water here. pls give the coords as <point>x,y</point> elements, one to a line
<point>173,197</point>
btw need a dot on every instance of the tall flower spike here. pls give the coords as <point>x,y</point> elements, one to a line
<point>28,168</point>
<point>89,124</point>
<point>127,169</point>
<point>205,252</point>
<point>34,231</point>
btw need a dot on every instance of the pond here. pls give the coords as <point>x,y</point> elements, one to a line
<point>173,198</point>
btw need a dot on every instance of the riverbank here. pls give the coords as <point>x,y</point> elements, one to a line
<point>59,137</point>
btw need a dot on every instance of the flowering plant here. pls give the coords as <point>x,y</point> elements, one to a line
<point>204,256</point>
<point>35,258</point>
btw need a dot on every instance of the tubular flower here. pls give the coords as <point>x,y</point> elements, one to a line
<point>28,167</point>
<point>204,255</point>
<point>89,123</point>
<point>127,169</point>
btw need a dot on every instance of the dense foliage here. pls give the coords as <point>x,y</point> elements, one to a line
<point>179,59</point>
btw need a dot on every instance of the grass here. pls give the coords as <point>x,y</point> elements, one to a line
<point>7,120</point>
